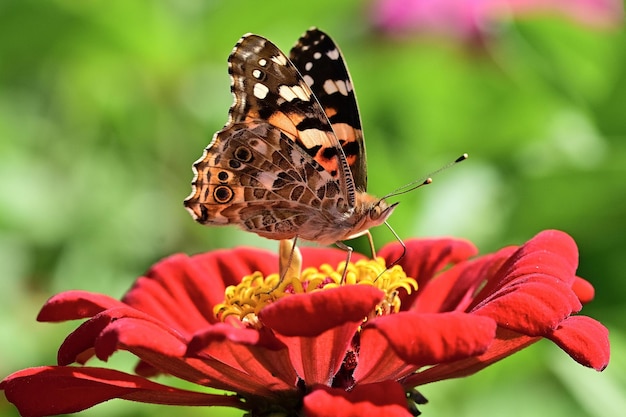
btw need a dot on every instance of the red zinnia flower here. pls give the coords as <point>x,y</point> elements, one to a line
<point>313,346</point>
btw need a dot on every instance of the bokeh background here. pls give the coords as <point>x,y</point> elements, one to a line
<point>104,105</point>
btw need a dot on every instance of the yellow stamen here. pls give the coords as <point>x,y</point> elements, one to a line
<point>245,300</point>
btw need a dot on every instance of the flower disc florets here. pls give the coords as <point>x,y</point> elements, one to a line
<point>245,300</point>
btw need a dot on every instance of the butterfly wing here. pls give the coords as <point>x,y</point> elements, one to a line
<point>254,176</point>
<point>323,68</point>
<point>268,87</point>
<point>276,169</point>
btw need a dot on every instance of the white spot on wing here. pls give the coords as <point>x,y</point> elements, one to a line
<point>334,54</point>
<point>308,80</point>
<point>280,59</point>
<point>308,66</point>
<point>317,55</point>
<point>260,91</point>
<point>256,73</point>
<point>290,93</point>
<point>262,62</point>
<point>343,88</point>
<point>332,86</point>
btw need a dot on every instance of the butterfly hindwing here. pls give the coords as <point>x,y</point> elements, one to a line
<point>323,68</point>
<point>253,175</point>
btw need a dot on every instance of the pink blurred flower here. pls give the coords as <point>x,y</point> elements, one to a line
<point>472,20</point>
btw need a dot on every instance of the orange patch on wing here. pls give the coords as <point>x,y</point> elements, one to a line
<point>347,134</point>
<point>330,165</point>
<point>286,123</point>
<point>330,111</point>
<point>252,115</point>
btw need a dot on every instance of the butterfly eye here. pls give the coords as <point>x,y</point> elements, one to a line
<point>375,212</point>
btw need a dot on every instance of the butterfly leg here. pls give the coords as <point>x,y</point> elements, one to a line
<point>348,249</point>
<point>399,241</point>
<point>370,239</point>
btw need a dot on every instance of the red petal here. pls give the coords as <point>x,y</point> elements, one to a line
<point>155,344</point>
<point>143,337</point>
<point>256,358</point>
<point>131,330</point>
<point>382,399</point>
<point>505,344</point>
<point>420,340</point>
<point>50,391</point>
<point>585,340</point>
<point>455,288</point>
<point>230,265</point>
<point>310,314</point>
<point>161,347</point>
<point>244,336</point>
<point>181,290</point>
<point>584,290</point>
<point>534,309</point>
<point>78,346</point>
<point>87,335</point>
<point>424,258</point>
<point>72,305</point>
<point>318,327</point>
<point>550,253</point>
<point>314,257</point>
<point>531,293</point>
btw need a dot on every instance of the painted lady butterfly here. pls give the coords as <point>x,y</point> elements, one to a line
<point>290,162</point>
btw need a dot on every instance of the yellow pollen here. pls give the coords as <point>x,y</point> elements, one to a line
<point>242,302</point>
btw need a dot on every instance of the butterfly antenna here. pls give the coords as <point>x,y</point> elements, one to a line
<point>424,181</point>
<point>413,185</point>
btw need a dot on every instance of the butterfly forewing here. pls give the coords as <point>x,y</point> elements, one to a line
<point>323,68</point>
<point>267,86</point>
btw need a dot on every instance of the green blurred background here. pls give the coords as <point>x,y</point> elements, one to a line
<point>105,105</point>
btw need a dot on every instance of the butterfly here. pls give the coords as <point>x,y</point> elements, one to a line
<point>290,162</point>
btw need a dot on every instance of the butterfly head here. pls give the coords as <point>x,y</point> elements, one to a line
<point>370,212</point>
<point>379,211</point>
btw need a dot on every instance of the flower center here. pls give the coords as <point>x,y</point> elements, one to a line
<point>242,302</point>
